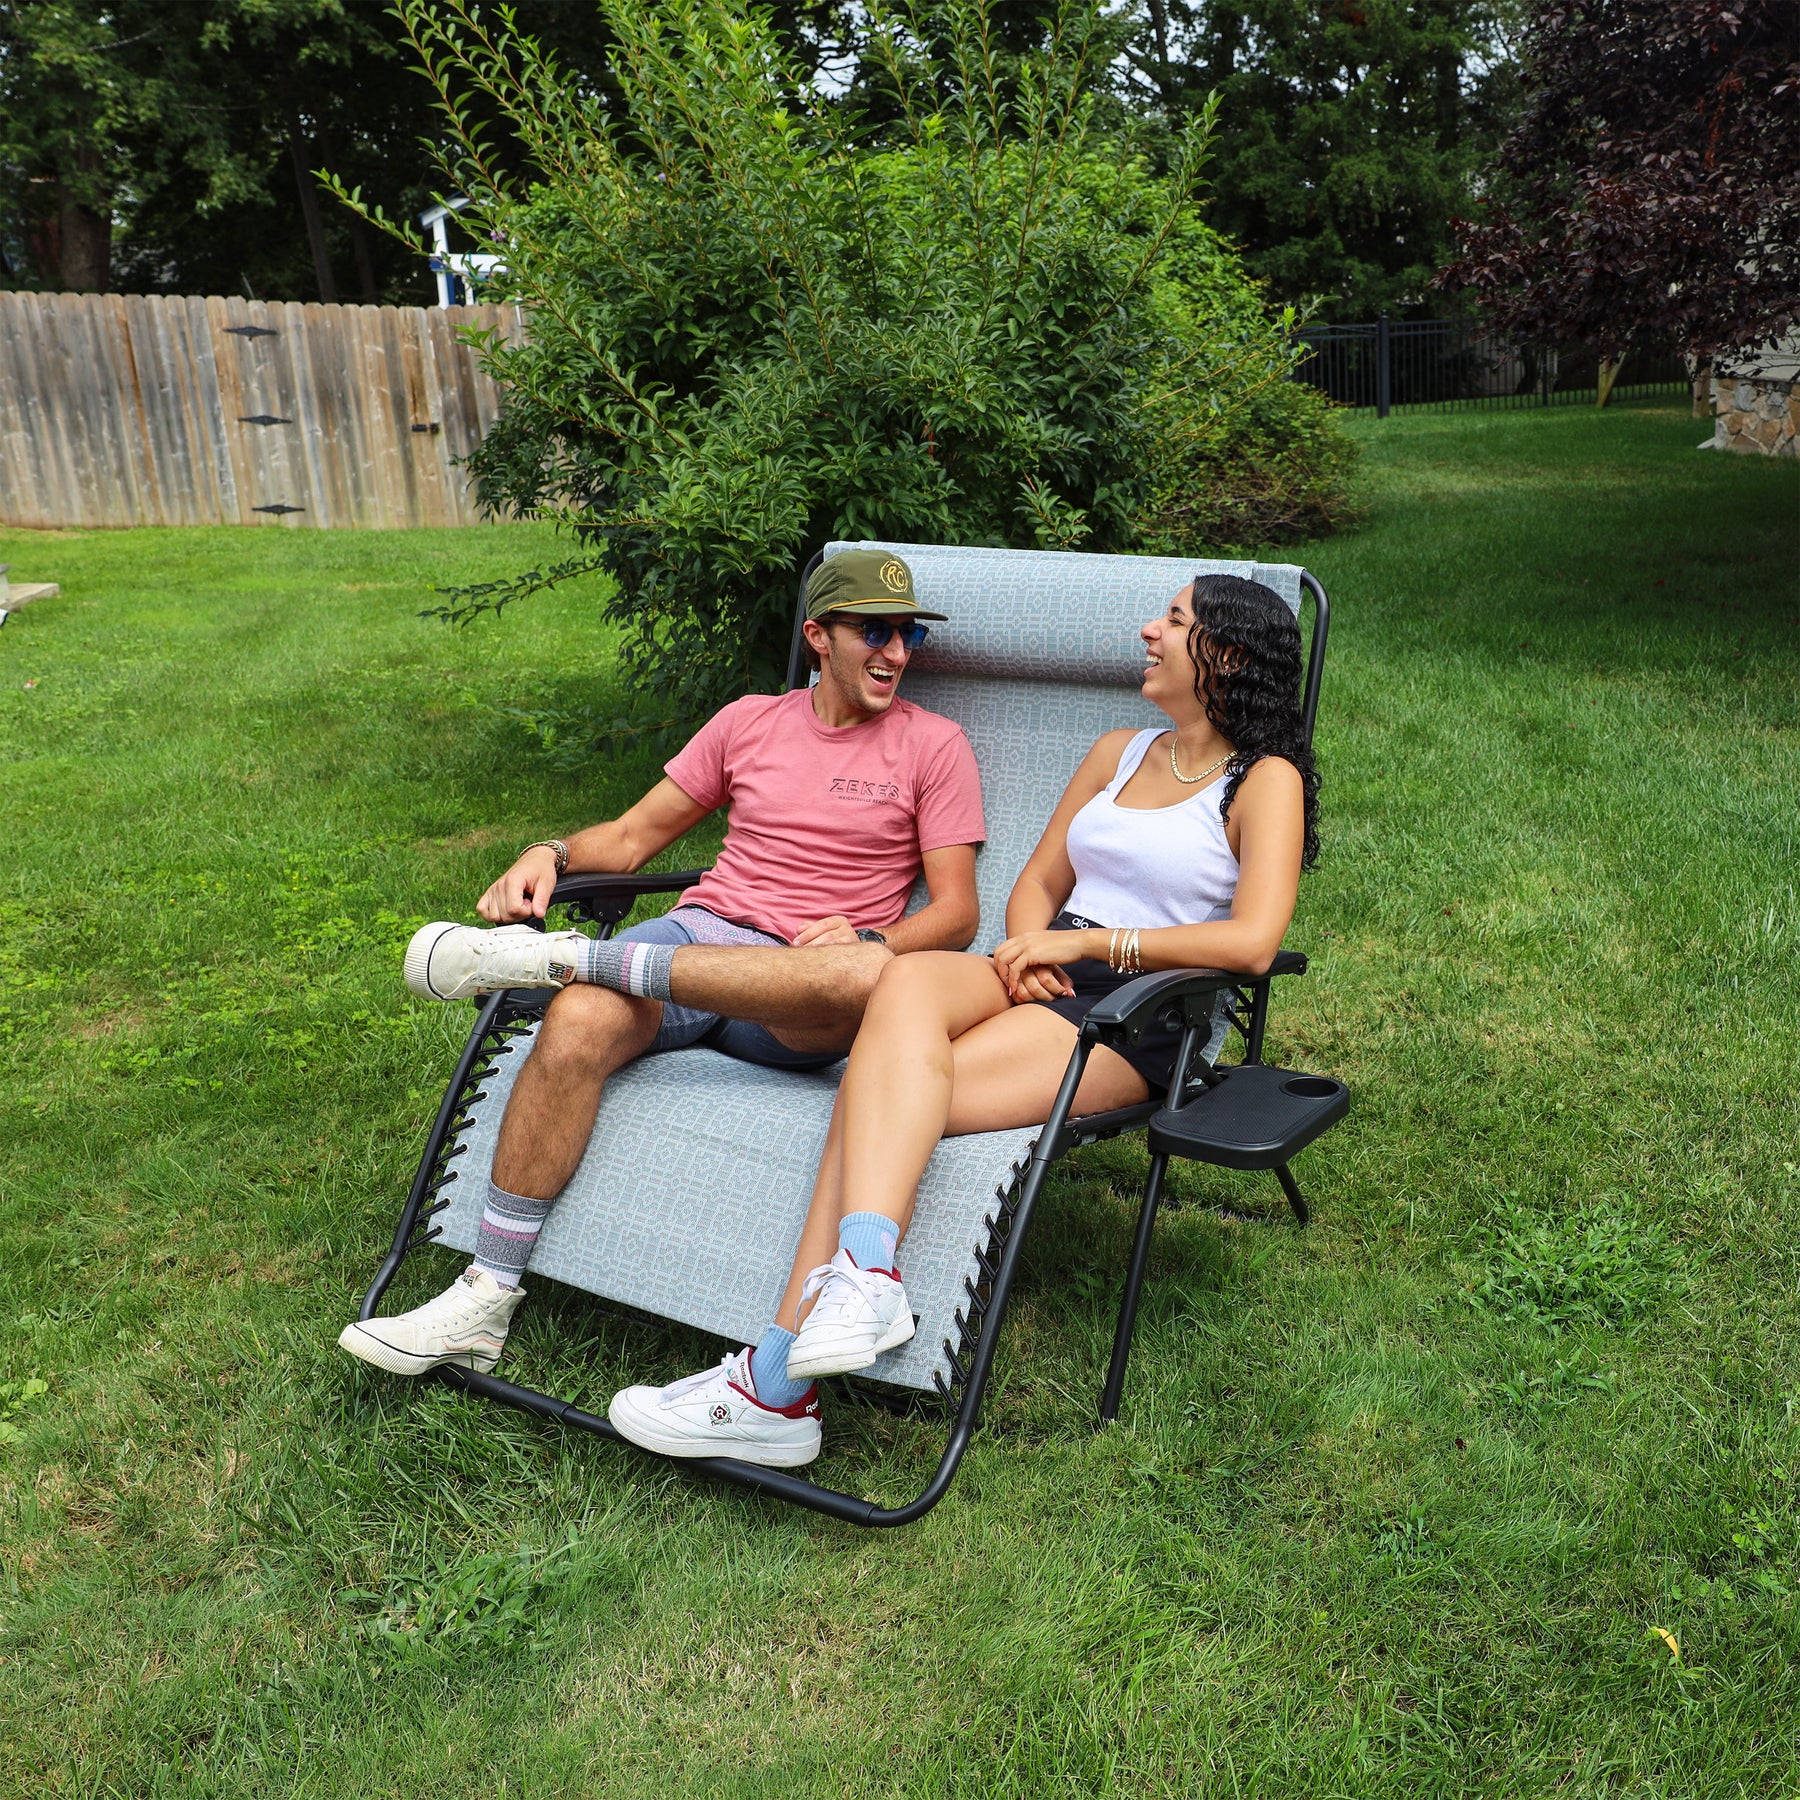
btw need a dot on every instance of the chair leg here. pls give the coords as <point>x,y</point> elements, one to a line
<point>1134,1288</point>
<point>1291,1188</point>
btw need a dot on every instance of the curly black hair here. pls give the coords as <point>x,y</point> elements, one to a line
<point>1245,642</point>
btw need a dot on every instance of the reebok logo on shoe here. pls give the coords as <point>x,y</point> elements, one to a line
<point>717,1413</point>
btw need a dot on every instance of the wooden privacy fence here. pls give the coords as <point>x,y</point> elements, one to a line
<point>130,409</point>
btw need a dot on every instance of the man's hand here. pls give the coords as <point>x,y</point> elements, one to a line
<point>835,930</point>
<point>1029,964</point>
<point>524,891</point>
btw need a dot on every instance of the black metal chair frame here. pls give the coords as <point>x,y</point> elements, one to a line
<point>1182,998</point>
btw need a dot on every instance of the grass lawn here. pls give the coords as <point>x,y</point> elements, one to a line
<point>1399,1505</point>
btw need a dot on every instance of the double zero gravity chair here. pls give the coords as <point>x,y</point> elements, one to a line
<point>689,1200</point>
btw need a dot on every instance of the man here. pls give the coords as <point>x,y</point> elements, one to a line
<point>839,797</point>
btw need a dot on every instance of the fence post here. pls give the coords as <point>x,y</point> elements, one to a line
<point>1383,369</point>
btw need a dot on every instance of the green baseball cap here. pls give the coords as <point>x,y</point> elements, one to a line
<point>864,581</point>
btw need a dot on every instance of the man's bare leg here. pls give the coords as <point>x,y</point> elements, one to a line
<point>811,998</point>
<point>808,998</point>
<point>588,1034</point>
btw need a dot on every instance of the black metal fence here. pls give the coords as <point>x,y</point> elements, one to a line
<point>1450,363</point>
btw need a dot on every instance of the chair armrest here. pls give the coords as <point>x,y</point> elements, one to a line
<point>606,899</point>
<point>1127,1012</point>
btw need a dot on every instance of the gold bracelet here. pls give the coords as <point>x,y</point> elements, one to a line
<point>1112,951</point>
<point>556,847</point>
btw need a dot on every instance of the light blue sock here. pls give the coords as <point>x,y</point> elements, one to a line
<point>768,1369</point>
<point>870,1237</point>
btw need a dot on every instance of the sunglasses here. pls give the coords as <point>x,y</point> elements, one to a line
<point>876,632</point>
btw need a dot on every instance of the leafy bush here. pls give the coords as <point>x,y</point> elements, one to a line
<point>761,318</point>
<point>1275,471</point>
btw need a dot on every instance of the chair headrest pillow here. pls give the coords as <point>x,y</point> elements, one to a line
<point>1052,615</point>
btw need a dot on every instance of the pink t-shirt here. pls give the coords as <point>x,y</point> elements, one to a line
<point>826,820</point>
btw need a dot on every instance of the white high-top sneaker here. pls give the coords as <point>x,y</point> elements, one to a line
<point>859,1314</point>
<point>717,1413</point>
<point>466,1324</point>
<point>453,962</point>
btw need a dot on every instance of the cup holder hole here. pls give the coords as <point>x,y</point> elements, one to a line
<point>1310,1087</point>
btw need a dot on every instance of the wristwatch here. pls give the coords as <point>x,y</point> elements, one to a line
<point>869,935</point>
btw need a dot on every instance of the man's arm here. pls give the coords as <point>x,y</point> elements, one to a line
<point>948,922</point>
<point>619,846</point>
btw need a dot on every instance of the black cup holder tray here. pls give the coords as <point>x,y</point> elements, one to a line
<point>1253,1116</point>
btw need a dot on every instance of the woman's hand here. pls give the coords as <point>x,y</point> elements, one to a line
<point>1030,964</point>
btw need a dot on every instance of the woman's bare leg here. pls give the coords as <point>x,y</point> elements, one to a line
<point>945,992</point>
<point>819,1235</point>
<point>942,1052</point>
<point>895,1097</point>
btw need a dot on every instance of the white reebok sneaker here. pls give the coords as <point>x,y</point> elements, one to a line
<point>466,1324</point>
<point>859,1314</point>
<point>452,962</point>
<point>717,1413</point>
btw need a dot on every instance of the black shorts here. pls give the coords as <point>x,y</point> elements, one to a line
<point>1153,1055</point>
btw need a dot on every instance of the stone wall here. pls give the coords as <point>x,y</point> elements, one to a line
<point>1756,402</point>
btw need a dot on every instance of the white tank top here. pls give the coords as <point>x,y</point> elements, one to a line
<point>1151,867</point>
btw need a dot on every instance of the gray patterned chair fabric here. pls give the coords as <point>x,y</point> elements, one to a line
<point>690,1198</point>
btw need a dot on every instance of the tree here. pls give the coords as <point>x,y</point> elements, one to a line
<point>1651,188</point>
<point>171,145</point>
<point>1349,136</point>
<point>758,324</point>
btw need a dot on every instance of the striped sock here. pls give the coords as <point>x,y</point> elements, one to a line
<point>510,1224</point>
<point>626,966</point>
<point>768,1369</point>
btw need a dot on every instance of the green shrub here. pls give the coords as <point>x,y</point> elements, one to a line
<point>1277,470</point>
<point>761,318</point>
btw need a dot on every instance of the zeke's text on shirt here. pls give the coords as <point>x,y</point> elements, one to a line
<point>850,788</point>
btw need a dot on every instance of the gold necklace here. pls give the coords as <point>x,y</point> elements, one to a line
<point>1193,780</point>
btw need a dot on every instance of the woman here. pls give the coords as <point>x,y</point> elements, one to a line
<point>1170,849</point>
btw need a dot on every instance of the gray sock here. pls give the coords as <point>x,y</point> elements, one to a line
<point>627,966</point>
<point>510,1224</point>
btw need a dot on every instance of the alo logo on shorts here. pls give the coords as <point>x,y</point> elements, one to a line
<point>849,787</point>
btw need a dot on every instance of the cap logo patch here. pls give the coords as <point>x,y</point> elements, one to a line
<point>893,574</point>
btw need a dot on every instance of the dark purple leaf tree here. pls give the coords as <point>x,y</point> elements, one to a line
<point>1651,187</point>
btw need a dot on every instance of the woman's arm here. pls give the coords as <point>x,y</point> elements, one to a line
<point>1268,825</point>
<point>1048,878</point>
